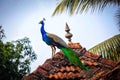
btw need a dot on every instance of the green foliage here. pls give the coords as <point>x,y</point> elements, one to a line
<point>118,17</point>
<point>75,6</point>
<point>15,59</point>
<point>109,49</point>
<point>80,6</point>
<point>1,33</point>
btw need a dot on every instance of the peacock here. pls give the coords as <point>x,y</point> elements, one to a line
<point>54,41</point>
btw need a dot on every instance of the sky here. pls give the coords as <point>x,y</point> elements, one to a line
<point>20,18</point>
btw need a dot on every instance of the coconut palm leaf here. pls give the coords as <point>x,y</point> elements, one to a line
<point>75,6</point>
<point>80,6</point>
<point>109,49</point>
<point>118,16</point>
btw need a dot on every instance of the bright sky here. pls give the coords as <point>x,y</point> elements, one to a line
<point>20,18</point>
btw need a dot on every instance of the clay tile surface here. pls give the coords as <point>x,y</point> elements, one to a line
<point>59,68</point>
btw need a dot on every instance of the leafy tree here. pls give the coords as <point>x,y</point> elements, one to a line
<point>1,33</point>
<point>15,58</point>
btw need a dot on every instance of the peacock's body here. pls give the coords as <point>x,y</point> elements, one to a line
<point>53,40</point>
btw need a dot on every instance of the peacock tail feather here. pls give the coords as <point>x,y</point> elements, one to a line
<point>73,57</point>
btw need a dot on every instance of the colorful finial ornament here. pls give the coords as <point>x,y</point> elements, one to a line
<point>68,35</point>
<point>55,41</point>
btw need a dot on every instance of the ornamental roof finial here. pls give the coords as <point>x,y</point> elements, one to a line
<point>68,35</point>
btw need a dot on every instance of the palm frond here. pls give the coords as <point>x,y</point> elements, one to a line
<point>109,49</point>
<point>118,17</point>
<point>75,6</point>
<point>60,8</point>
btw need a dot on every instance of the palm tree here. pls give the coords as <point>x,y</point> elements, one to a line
<point>76,6</point>
<point>118,17</point>
<point>110,48</point>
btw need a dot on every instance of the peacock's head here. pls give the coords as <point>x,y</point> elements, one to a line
<point>41,22</point>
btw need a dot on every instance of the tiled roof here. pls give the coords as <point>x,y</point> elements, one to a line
<point>60,68</point>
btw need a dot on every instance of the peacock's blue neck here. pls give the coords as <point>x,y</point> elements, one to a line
<point>42,29</point>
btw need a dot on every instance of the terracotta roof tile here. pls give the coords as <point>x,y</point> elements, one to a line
<point>92,56</point>
<point>47,66</point>
<point>108,62</point>
<point>60,68</point>
<point>75,45</point>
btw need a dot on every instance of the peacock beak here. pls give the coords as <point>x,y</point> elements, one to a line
<point>40,22</point>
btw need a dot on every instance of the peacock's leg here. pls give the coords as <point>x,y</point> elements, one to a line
<point>53,50</point>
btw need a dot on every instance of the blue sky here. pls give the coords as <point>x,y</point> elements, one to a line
<point>20,18</point>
